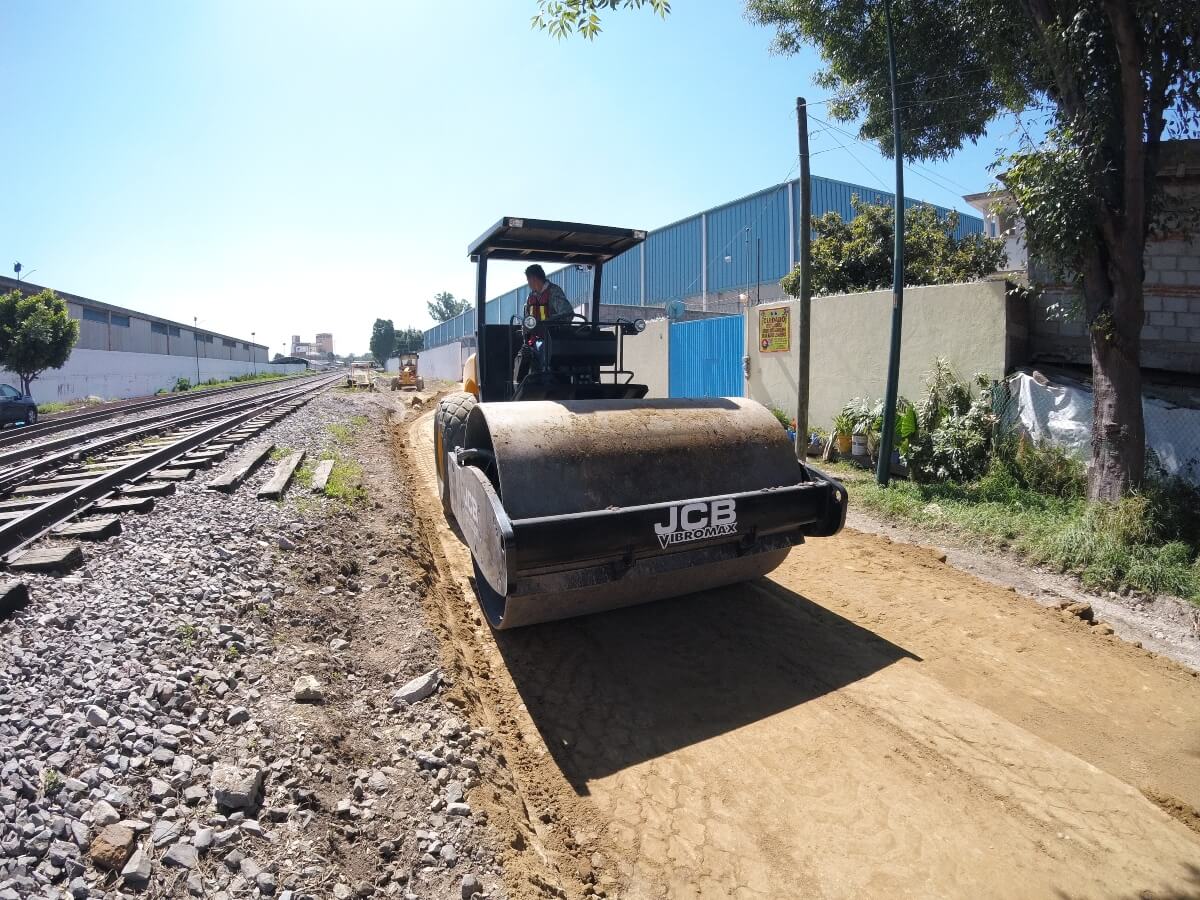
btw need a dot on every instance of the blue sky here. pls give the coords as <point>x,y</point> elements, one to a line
<point>294,167</point>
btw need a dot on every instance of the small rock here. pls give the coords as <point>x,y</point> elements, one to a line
<point>338,644</point>
<point>471,885</point>
<point>235,787</point>
<point>104,814</point>
<point>137,871</point>
<point>237,715</point>
<point>307,690</point>
<point>341,891</point>
<point>265,882</point>
<point>458,809</point>
<point>378,782</point>
<point>202,839</point>
<point>286,543</point>
<point>417,689</point>
<point>1081,610</point>
<point>181,856</point>
<point>96,716</point>
<point>112,846</point>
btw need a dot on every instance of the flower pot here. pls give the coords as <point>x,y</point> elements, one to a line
<point>843,444</point>
<point>859,442</point>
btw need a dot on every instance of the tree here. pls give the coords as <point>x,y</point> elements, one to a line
<point>409,340</point>
<point>562,17</point>
<point>857,255</point>
<point>383,340</point>
<point>36,333</point>
<point>1114,76</point>
<point>445,306</point>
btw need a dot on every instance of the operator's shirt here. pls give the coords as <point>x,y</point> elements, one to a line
<point>558,307</point>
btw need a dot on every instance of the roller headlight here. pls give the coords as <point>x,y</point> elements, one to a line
<point>639,325</point>
<point>530,323</point>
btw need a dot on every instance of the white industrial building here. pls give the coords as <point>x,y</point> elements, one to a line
<point>123,353</point>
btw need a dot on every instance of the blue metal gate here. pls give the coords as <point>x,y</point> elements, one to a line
<point>706,357</point>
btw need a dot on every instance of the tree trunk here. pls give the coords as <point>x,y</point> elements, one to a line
<point>1113,299</point>
<point>26,381</point>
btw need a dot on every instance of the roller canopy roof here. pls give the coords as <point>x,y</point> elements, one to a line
<point>538,240</point>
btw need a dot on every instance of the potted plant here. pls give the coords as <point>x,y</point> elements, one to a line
<point>843,428</point>
<point>817,437</point>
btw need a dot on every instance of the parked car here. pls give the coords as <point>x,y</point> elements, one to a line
<point>16,407</point>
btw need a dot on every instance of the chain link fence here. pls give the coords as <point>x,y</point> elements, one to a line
<point>1029,407</point>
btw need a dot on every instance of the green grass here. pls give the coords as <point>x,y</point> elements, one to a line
<point>343,432</point>
<point>183,384</point>
<point>345,480</point>
<point>49,409</point>
<point>1146,542</point>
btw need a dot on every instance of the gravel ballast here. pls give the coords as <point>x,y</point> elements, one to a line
<point>175,722</point>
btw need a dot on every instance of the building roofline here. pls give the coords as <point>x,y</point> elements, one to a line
<point>8,284</point>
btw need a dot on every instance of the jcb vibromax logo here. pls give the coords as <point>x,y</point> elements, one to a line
<point>697,521</point>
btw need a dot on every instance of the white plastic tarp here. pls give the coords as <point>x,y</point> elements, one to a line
<point>1061,414</point>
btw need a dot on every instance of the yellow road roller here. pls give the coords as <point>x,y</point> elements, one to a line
<point>575,493</point>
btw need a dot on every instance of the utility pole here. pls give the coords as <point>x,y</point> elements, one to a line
<point>804,329</point>
<point>253,361</point>
<point>757,270</point>
<point>196,345</point>
<point>883,472</point>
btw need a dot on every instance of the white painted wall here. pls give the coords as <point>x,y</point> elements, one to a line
<point>646,357</point>
<point>968,324</point>
<point>444,363</point>
<point>118,374</point>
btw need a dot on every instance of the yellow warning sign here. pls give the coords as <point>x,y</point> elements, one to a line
<point>775,330</point>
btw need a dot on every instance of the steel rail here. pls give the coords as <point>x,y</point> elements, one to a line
<point>74,420</point>
<point>19,532</point>
<point>21,454</point>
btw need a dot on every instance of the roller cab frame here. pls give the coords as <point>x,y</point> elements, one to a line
<point>576,494</point>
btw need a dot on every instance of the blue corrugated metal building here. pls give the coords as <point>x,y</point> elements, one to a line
<point>752,240</point>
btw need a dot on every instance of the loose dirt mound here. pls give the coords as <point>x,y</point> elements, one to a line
<point>868,722</point>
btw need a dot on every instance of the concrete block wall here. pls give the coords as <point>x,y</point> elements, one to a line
<point>1170,328</point>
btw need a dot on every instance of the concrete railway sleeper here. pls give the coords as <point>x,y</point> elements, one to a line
<point>143,464</point>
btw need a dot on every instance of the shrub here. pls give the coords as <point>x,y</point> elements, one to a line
<point>947,435</point>
<point>1044,468</point>
<point>182,384</point>
<point>784,419</point>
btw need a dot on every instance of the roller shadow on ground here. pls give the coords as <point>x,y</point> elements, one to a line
<point>611,690</point>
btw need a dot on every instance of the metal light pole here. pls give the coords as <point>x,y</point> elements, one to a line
<point>196,345</point>
<point>883,471</point>
<point>757,270</point>
<point>253,361</point>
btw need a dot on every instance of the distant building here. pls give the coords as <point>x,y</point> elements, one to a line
<point>318,349</point>
<point>1001,221</point>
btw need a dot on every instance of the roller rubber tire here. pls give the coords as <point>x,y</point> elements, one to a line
<point>449,431</point>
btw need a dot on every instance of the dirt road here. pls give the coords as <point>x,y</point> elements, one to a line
<point>868,722</point>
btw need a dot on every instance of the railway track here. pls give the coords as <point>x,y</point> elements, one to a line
<point>68,421</point>
<point>75,488</point>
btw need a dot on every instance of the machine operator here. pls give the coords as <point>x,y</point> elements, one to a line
<point>547,302</point>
